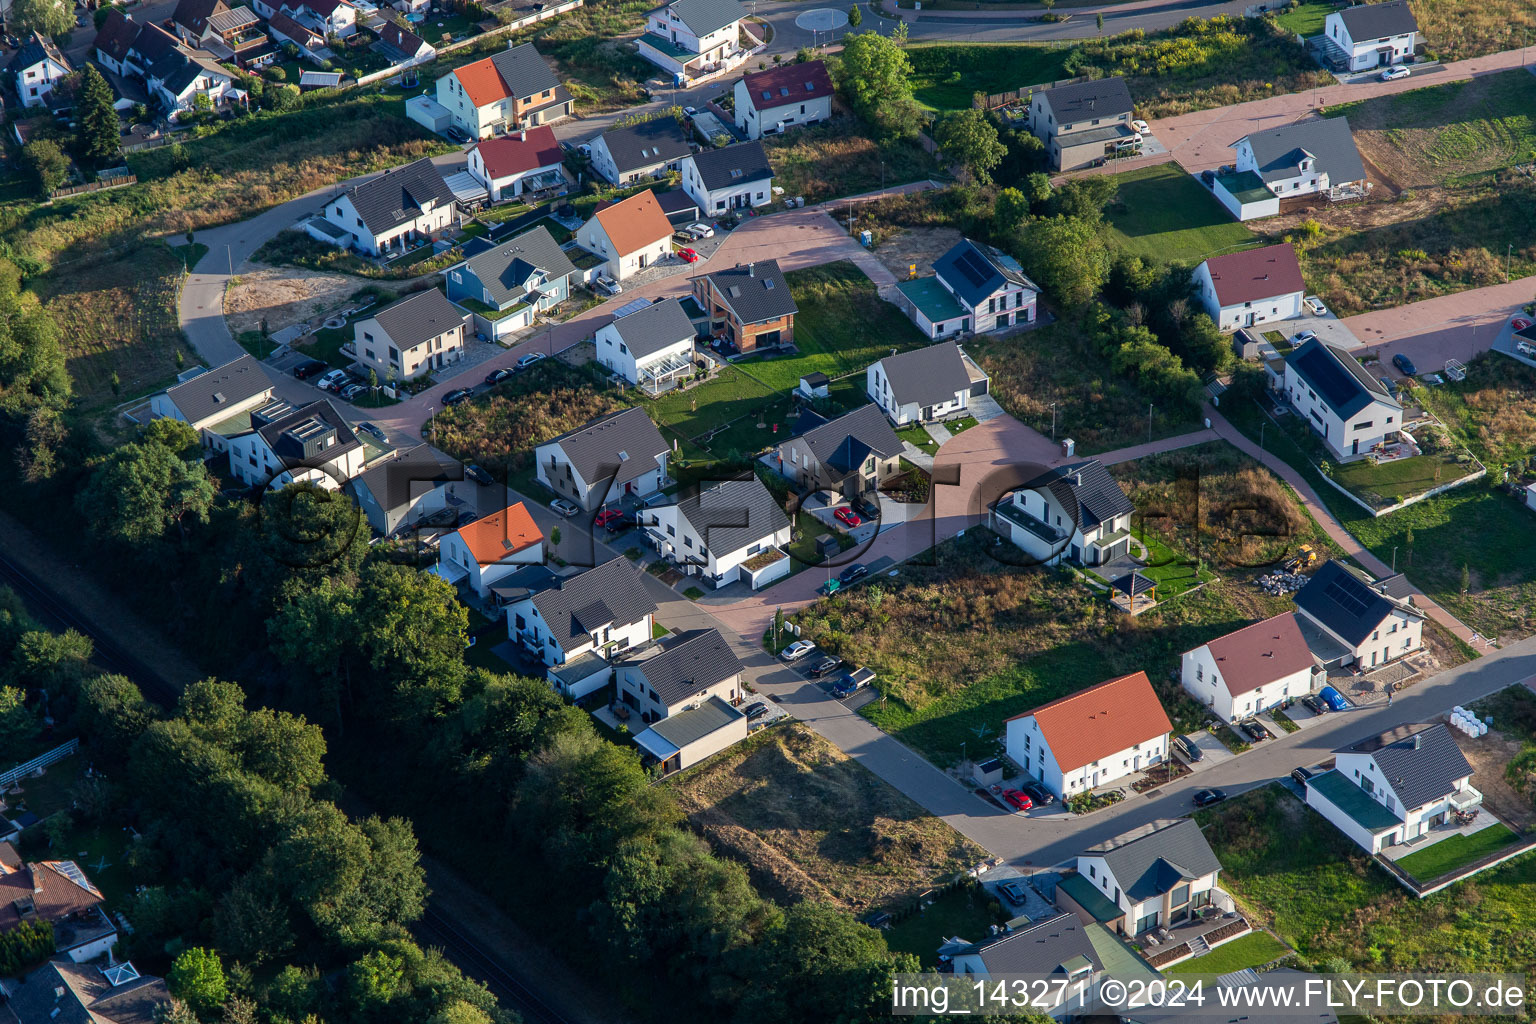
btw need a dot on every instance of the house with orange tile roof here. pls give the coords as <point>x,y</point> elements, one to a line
<point>482,552</point>
<point>58,892</point>
<point>631,235</point>
<point>1252,670</point>
<point>515,88</point>
<point>1091,738</point>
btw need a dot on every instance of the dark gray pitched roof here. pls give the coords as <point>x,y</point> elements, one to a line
<point>397,196</point>
<point>504,268</point>
<point>732,514</point>
<point>87,991</point>
<point>416,318</point>
<point>116,35</point>
<point>222,387</point>
<point>654,328</point>
<point>928,375</point>
<point>1150,860</point>
<point>705,16</point>
<point>687,727</point>
<point>153,42</point>
<point>844,443</point>
<point>974,270</point>
<point>1419,762</point>
<point>1082,101</point>
<point>689,662</point>
<point>1089,488</point>
<point>659,140</point>
<point>755,291</point>
<point>1343,603</point>
<point>622,445</point>
<point>1328,140</point>
<point>391,482</point>
<point>1052,946</point>
<point>733,165</point>
<point>1374,21</point>
<point>613,592</point>
<point>1338,378</point>
<point>524,70</point>
<point>193,15</point>
<point>296,436</point>
<point>35,51</point>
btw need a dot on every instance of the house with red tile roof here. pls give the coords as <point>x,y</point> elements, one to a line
<point>631,235</point>
<point>486,550</point>
<point>771,101</point>
<point>521,161</point>
<point>1251,287</point>
<point>58,892</point>
<point>1091,738</point>
<point>515,88</point>
<point>1252,670</point>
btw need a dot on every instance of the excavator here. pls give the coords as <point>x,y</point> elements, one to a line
<point>1306,558</point>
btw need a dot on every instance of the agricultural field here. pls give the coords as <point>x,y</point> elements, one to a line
<point>837,158</point>
<point>1163,214</point>
<point>811,823</point>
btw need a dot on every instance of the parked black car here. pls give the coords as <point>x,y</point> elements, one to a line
<point>1301,775</point>
<point>756,710</point>
<point>853,573</point>
<point>821,666</point>
<point>1189,749</point>
<point>1254,731</point>
<point>497,376</point>
<point>1314,705</point>
<point>308,368</point>
<point>1038,793</point>
<point>1206,797</point>
<point>456,396</point>
<point>1405,365</point>
<point>479,476</point>
<point>867,508</point>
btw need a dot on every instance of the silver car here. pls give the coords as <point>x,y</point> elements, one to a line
<point>565,507</point>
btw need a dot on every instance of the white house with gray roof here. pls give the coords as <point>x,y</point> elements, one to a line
<point>395,493</point>
<point>692,38</point>
<point>1076,512</point>
<point>680,673</point>
<point>1084,122</point>
<point>1157,876</point>
<point>1316,157</point>
<point>36,68</point>
<point>1396,786</point>
<point>688,737</point>
<point>722,532</point>
<point>420,334</point>
<point>974,287</point>
<point>649,149</point>
<point>1339,400</point>
<point>651,348</point>
<point>1370,35</point>
<point>614,455</point>
<point>312,444</point>
<point>217,403</point>
<point>576,625</point>
<point>925,385</point>
<point>389,213</point>
<point>733,178</point>
<point>506,285</point>
<point>1057,949</point>
<point>851,455</point>
<point>1371,624</point>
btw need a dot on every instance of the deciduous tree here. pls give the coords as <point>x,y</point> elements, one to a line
<point>876,78</point>
<point>197,977</point>
<point>138,492</point>
<point>50,17</point>
<point>969,138</point>
<point>48,164</point>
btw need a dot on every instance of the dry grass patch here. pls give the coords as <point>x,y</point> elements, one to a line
<point>811,823</point>
<point>836,158</point>
<point>1457,29</point>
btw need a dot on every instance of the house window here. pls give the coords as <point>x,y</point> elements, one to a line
<point>671,531</point>
<point>1091,872</point>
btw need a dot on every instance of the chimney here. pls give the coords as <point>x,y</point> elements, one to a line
<point>751,269</point>
<point>1418,738</point>
<point>37,878</point>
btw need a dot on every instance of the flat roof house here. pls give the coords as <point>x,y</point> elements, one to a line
<point>506,285</point>
<point>689,38</point>
<point>1076,512</point>
<point>1085,122</point>
<point>391,212</point>
<point>526,160</point>
<point>925,385</point>
<point>736,177</point>
<point>851,455</point>
<point>312,443</point>
<point>484,552</point>
<point>217,403</point>
<point>722,532</point>
<point>772,101</point>
<point>1396,786</point>
<point>1369,36</point>
<point>621,453</point>
<point>1091,738</point>
<point>631,235</point>
<point>576,624</point>
<point>1339,400</point>
<point>1373,626</point>
<point>651,348</point>
<point>1251,287</point>
<point>513,89</point>
<point>1252,669</point>
<point>649,149</point>
<point>1156,876</point>
<point>420,334</point>
<point>749,305</point>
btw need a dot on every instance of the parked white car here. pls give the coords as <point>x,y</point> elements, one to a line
<point>699,229</point>
<point>1315,305</point>
<point>1140,127</point>
<point>1393,73</point>
<point>607,285</point>
<point>798,649</point>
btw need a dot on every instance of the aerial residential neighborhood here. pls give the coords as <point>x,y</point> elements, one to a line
<point>610,513</point>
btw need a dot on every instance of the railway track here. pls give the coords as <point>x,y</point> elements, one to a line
<point>477,963</point>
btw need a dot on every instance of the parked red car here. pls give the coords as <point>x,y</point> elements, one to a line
<point>1019,801</point>
<point>607,516</point>
<point>688,255</point>
<point>848,517</point>
<point>1519,323</point>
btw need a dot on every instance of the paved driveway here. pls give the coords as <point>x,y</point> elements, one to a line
<point>1458,326</point>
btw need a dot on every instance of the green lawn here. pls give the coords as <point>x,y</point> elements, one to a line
<point>1162,213</point>
<point>1305,19</point>
<point>945,75</point>
<point>1456,852</point>
<point>960,425</point>
<point>1252,950</point>
<point>1388,482</point>
<point>914,434</point>
<point>967,912</point>
<point>1172,572</point>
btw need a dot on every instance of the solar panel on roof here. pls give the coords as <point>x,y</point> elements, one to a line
<point>975,269</point>
<point>1350,594</point>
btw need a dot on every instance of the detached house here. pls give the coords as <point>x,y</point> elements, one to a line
<point>507,284</point>
<point>631,235</point>
<point>395,493</point>
<point>925,385</point>
<point>217,403</point>
<point>1370,36</point>
<point>65,992</point>
<point>1091,738</point>
<point>1068,955</point>
<point>771,101</point>
<point>851,455</point>
<point>327,17</point>
<point>687,687</point>
<point>311,444</point>
<point>490,549</point>
<point>689,38</point>
<point>723,532</point>
<point>1156,876</point>
<point>179,78</point>
<point>527,160</point>
<point>1351,409</point>
<point>1076,512</point>
<point>1251,287</point>
<point>1374,627</point>
<point>58,892</point>
<point>649,149</point>
<point>1084,122</point>
<point>504,92</point>
<point>749,305</point>
<point>402,46</point>
<point>651,347</point>
<point>1252,670</point>
<point>621,453</point>
<point>974,287</point>
<point>575,624</point>
<point>1394,787</point>
<point>36,69</point>
<point>420,334</point>
<point>734,178</point>
<point>392,212</point>
<point>1306,158</point>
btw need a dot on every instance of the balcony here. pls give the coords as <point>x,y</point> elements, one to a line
<point>1466,799</point>
<point>1011,513</point>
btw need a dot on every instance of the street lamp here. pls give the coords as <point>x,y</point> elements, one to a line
<point>432,422</point>
<point>1053,421</point>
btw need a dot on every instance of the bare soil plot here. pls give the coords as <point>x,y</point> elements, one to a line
<point>1489,754</point>
<point>284,296</point>
<point>915,245</point>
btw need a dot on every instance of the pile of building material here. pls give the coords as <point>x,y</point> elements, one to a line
<point>1279,583</point>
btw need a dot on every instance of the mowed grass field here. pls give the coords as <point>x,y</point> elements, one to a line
<point>1163,213</point>
<point>945,76</point>
<point>1306,19</point>
<point>1448,133</point>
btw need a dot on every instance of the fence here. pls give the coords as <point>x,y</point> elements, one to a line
<point>1001,99</point>
<point>58,753</point>
<point>118,181</point>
